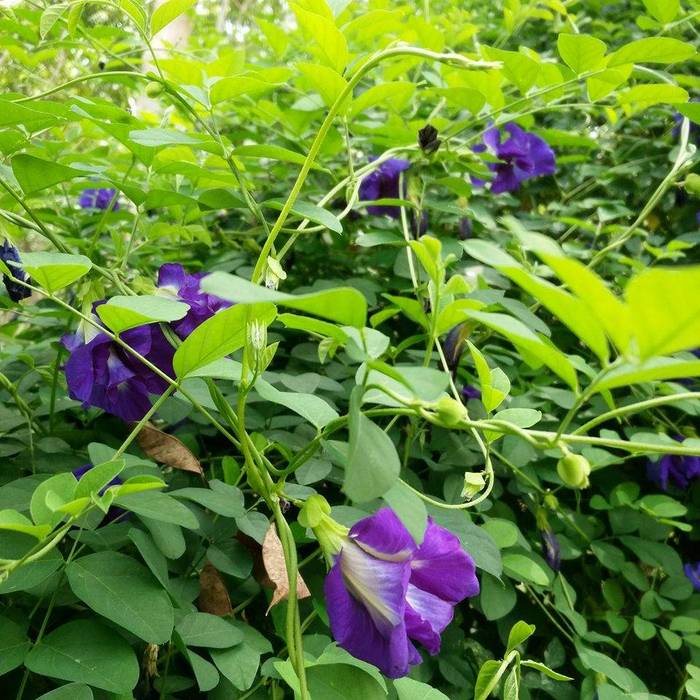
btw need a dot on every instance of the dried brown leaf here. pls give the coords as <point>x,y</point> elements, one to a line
<point>213,595</point>
<point>168,450</point>
<point>273,558</point>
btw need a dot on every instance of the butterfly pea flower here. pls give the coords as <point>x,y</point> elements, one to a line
<point>522,156</point>
<point>677,470</point>
<point>98,198</point>
<point>383,183</point>
<point>101,373</point>
<point>174,281</point>
<point>10,254</point>
<point>692,571</point>
<point>384,593</point>
<point>113,513</point>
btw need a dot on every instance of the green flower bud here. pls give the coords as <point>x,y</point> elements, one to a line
<point>315,514</point>
<point>551,501</point>
<point>692,184</point>
<point>574,470</point>
<point>154,88</point>
<point>449,411</point>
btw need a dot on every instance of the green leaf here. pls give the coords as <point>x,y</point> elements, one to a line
<point>31,574</point>
<point>326,81</point>
<point>240,663</point>
<point>408,689</point>
<point>50,16</point>
<point>87,652</point>
<point>643,96</point>
<point>333,49</point>
<point>238,86</point>
<point>14,521</point>
<point>158,506</point>
<point>664,306</point>
<point>394,95</point>
<point>604,83</point>
<point>220,335</point>
<point>317,411</point>
<point>581,52</point>
<point>200,629</point>
<point>34,174</point>
<point>122,590</point>
<point>663,10</point>
<point>655,369</point>
<point>652,50</point>
<point>511,685</point>
<point>643,629</point>
<point>519,632</point>
<point>54,271</point>
<point>311,212</point>
<point>489,675</point>
<point>522,337</point>
<point>205,673</point>
<point>168,11</point>
<point>545,669</point>
<point>373,464</point>
<point>272,152</point>
<point>343,304</point>
<point>224,499</point>
<point>13,645</point>
<point>121,313</point>
<point>523,568</point>
<point>63,487</point>
<point>497,598</point>
<point>655,554</point>
<point>71,691</point>
<point>519,69</point>
<point>156,137</point>
<point>343,682</point>
<point>410,509</point>
<point>97,478</point>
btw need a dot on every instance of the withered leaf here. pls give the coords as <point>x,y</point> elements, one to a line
<point>213,595</point>
<point>168,450</point>
<point>273,558</point>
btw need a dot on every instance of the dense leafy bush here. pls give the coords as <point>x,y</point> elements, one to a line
<point>349,350</point>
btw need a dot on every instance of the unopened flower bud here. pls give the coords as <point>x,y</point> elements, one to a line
<point>551,501</point>
<point>574,470</point>
<point>692,184</point>
<point>449,411</point>
<point>154,88</point>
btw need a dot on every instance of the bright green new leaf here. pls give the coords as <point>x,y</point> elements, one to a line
<point>519,632</point>
<point>604,83</point>
<point>537,666</point>
<point>121,313</point>
<point>409,689</point>
<point>333,49</point>
<point>581,52</point>
<point>88,652</point>
<point>248,85</point>
<point>168,11</point>
<point>50,16</point>
<point>34,174</point>
<point>524,338</point>
<point>643,96</point>
<point>122,590</point>
<point>394,95</point>
<point>326,81</point>
<point>62,487</point>
<point>664,308</point>
<point>663,10</point>
<point>158,506</point>
<point>523,568</point>
<point>220,335</point>
<point>654,369</point>
<point>95,479</point>
<point>14,521</point>
<point>54,271</point>
<point>652,50</point>
<point>343,304</point>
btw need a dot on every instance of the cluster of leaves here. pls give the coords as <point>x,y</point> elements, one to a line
<point>171,569</point>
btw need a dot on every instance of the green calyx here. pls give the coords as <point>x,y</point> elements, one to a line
<point>315,514</point>
<point>574,470</point>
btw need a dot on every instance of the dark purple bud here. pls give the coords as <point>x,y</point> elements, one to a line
<point>465,228</point>
<point>454,345</point>
<point>692,571</point>
<point>428,139</point>
<point>550,545</point>
<point>9,254</point>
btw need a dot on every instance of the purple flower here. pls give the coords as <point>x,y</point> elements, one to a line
<point>383,183</point>
<point>383,592</point>
<point>113,513</point>
<point>523,156</point>
<point>692,571</point>
<point>550,545</point>
<point>101,373</point>
<point>98,198</point>
<point>454,345</point>
<point>10,254</point>
<point>680,470</point>
<point>185,287</point>
<point>470,392</point>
